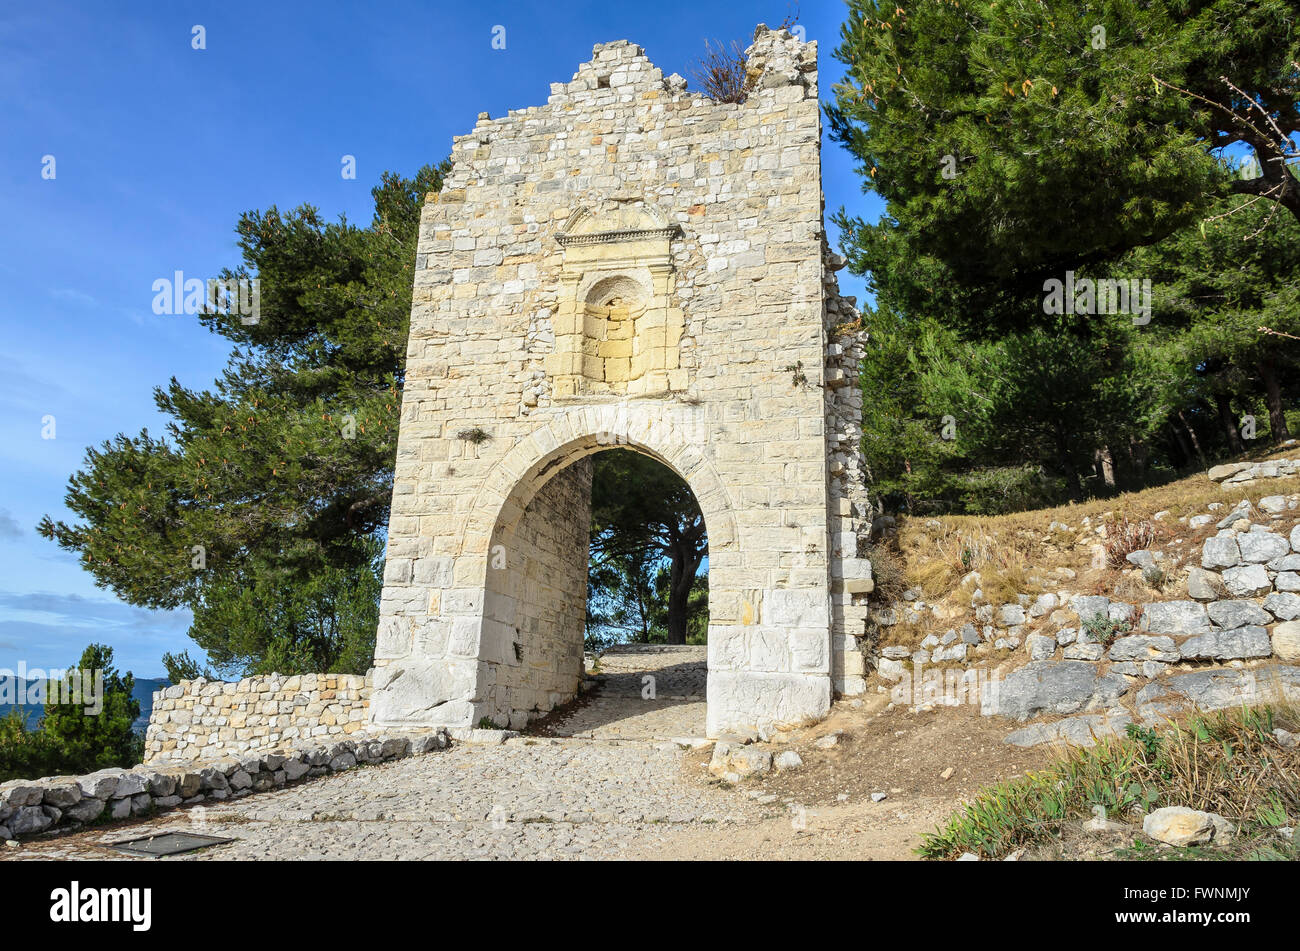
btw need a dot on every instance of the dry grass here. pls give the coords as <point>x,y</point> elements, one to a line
<point>1125,536</point>
<point>1014,553</point>
<point>939,556</point>
<point>1183,497</point>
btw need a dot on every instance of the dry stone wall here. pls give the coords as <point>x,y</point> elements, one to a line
<point>1223,630</point>
<point>199,719</point>
<point>28,807</point>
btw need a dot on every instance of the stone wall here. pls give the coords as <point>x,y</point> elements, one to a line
<point>528,651</point>
<point>1222,629</point>
<point>630,264</point>
<point>32,806</point>
<point>199,719</point>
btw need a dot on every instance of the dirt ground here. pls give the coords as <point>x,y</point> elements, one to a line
<point>824,810</point>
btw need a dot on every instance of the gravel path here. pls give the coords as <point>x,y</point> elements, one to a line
<point>641,692</point>
<point>526,798</point>
<point>587,792</point>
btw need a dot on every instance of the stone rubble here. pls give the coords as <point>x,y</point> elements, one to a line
<point>28,807</point>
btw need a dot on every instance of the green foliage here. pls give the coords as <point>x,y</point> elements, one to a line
<point>74,738</point>
<point>24,753</point>
<point>183,667</point>
<point>1013,141</point>
<point>85,743</point>
<point>277,481</point>
<point>1104,630</point>
<point>267,621</point>
<point>1229,763</point>
<point>648,542</point>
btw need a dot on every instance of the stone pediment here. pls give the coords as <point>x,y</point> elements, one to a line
<point>622,222</point>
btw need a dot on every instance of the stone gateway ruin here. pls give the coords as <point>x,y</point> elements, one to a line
<point>633,266</point>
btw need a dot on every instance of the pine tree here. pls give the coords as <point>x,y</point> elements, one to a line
<point>280,476</point>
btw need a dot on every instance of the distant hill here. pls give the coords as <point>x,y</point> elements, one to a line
<point>143,692</point>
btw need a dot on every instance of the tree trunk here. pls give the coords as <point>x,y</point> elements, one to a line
<point>1184,447</point>
<point>1191,434</point>
<point>1138,453</point>
<point>1273,397</point>
<point>681,577</point>
<point>1235,445</point>
<point>1104,463</point>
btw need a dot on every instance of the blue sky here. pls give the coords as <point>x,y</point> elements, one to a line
<point>159,147</point>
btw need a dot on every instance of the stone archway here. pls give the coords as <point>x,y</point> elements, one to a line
<point>536,562</point>
<point>575,290</point>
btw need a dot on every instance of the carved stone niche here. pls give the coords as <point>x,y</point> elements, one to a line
<point>617,329</point>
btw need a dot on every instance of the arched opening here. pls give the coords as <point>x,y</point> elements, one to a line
<point>598,565</point>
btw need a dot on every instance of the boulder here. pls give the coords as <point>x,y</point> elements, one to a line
<point>1219,473</point>
<point>213,779</point>
<point>1257,548</point>
<point>161,783</point>
<point>1088,607</point>
<point>28,820</point>
<point>892,670</point>
<point>62,793</point>
<point>100,785</point>
<point>18,793</point>
<point>1083,730</point>
<point>1217,688</point>
<point>1233,614</point>
<point>1175,617</point>
<point>1141,647</point>
<point>787,759</point>
<point>1040,646</point>
<point>295,769</point>
<point>1287,581</point>
<point>1084,651</point>
<point>1247,581</point>
<point>953,652</point>
<point>1284,607</point>
<point>1241,643</point>
<point>1010,615</point>
<point>1221,551</point>
<point>131,784</point>
<point>342,761</point>
<point>1049,686</point>
<point>1286,640</point>
<point>735,761</point>
<point>86,810</point>
<point>1043,605</point>
<point>1180,826</point>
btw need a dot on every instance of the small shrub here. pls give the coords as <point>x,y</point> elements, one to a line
<point>720,72</point>
<point>887,571</point>
<point>1125,537</point>
<point>1104,630</point>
